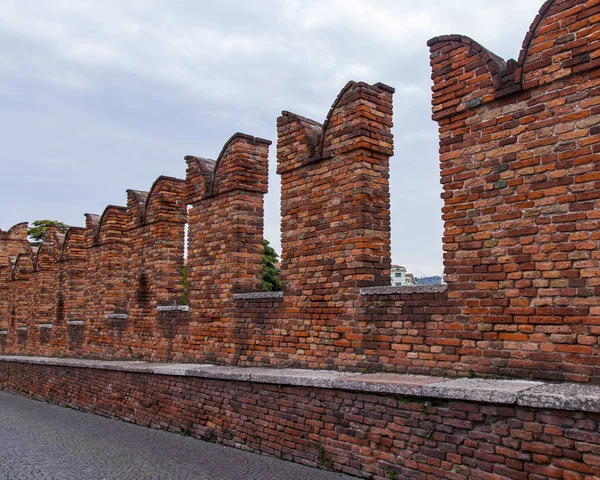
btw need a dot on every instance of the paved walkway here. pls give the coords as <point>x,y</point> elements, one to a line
<point>42,441</point>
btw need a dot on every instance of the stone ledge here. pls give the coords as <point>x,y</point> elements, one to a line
<point>3,332</point>
<point>257,295</point>
<point>406,289</point>
<point>173,308</point>
<point>21,329</point>
<point>116,316</point>
<point>45,325</point>
<point>567,396</point>
<point>75,322</point>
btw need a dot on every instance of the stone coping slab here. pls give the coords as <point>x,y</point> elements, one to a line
<point>566,396</point>
<point>257,295</point>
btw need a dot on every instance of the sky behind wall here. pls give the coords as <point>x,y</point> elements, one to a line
<point>101,96</point>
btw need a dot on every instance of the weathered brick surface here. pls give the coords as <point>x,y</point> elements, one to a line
<point>21,293</point>
<point>335,196</point>
<point>363,434</point>
<point>70,302</point>
<point>12,243</point>
<point>519,150</point>
<point>225,225</point>
<point>519,158</point>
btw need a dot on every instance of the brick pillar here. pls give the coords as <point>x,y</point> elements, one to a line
<point>71,294</point>
<point>520,165</point>
<point>156,233</point>
<point>12,243</point>
<point>335,195</point>
<point>72,271</point>
<point>226,224</point>
<point>22,306</point>
<point>44,291</point>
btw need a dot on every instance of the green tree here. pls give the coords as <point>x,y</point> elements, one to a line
<point>38,229</point>
<point>271,280</point>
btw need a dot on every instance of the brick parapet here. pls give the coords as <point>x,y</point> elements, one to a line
<point>443,429</point>
<point>5,294</point>
<point>519,170</point>
<point>199,177</point>
<point>21,275</point>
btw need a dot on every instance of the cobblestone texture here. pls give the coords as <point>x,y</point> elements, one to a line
<point>39,441</point>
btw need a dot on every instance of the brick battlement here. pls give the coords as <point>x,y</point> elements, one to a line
<point>519,164</point>
<point>562,41</point>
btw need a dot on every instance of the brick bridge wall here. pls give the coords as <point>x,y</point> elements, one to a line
<point>376,436</point>
<point>520,167</point>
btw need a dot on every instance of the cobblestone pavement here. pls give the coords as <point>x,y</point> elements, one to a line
<point>42,441</point>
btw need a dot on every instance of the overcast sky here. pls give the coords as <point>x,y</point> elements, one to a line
<point>101,96</point>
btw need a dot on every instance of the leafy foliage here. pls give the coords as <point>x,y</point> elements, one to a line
<point>39,228</point>
<point>271,280</point>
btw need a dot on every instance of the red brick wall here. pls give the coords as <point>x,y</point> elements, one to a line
<point>335,196</point>
<point>108,278</point>
<point>519,158</point>
<point>156,223</point>
<point>12,243</point>
<point>363,434</point>
<point>21,292</point>
<point>44,287</point>
<point>71,305</point>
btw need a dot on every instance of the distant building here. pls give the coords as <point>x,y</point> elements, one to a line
<point>401,277</point>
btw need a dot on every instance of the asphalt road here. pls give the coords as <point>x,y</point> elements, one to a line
<point>41,441</point>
